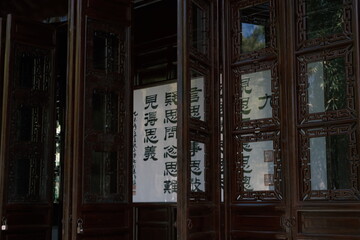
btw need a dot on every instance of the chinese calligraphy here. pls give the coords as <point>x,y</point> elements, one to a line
<point>256,95</point>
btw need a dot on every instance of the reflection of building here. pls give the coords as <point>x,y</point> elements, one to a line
<point>285,75</point>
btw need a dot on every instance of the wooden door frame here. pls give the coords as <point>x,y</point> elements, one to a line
<point>289,125</point>
<point>190,59</point>
<point>69,172</point>
<point>183,141</point>
<point>2,153</point>
<point>4,75</point>
<point>20,39</point>
<point>73,183</point>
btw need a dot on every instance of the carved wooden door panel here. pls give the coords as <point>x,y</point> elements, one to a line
<point>198,118</point>
<point>27,140</point>
<point>256,200</point>
<point>325,59</point>
<point>99,102</point>
<point>291,119</point>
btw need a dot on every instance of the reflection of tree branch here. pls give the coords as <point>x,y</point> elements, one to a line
<point>335,84</point>
<point>318,22</point>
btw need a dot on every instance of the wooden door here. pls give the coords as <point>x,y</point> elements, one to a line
<point>98,156</point>
<point>291,119</point>
<point>198,121</point>
<point>27,140</point>
<point>256,197</point>
<point>324,60</point>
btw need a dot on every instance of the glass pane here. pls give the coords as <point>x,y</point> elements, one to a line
<point>99,49</point>
<point>256,95</point>
<point>197,166</point>
<point>258,166</point>
<point>105,111</point>
<point>22,177</point>
<point>324,18</point>
<point>26,71</point>
<point>28,124</point>
<point>105,51</point>
<point>24,124</point>
<point>330,164</point>
<point>26,179</point>
<point>326,85</point>
<point>99,116</point>
<point>103,179</point>
<point>197,96</point>
<point>32,67</point>
<point>255,28</point>
<point>112,112</point>
<point>112,58</point>
<point>199,29</point>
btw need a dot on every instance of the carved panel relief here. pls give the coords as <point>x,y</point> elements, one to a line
<point>326,86</point>
<point>105,167</point>
<point>253,29</point>
<point>258,167</point>
<point>199,32</point>
<point>329,163</point>
<point>256,97</point>
<point>316,28</point>
<point>30,102</point>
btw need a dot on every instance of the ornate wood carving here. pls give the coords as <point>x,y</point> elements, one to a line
<point>235,25</point>
<point>30,186</point>
<point>241,194</point>
<point>303,42</point>
<point>30,102</point>
<point>114,50</point>
<point>353,193</point>
<point>328,54</point>
<point>106,81</point>
<point>254,130</point>
<point>40,76</point>
<point>241,124</point>
<point>205,6</point>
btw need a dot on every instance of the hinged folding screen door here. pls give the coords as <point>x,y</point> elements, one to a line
<point>292,119</point>
<point>198,120</point>
<point>27,139</point>
<point>98,142</point>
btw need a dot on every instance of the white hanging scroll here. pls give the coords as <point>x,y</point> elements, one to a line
<point>155,141</point>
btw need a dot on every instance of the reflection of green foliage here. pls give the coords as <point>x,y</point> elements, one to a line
<point>324,17</point>
<point>335,84</point>
<point>338,166</point>
<point>255,41</point>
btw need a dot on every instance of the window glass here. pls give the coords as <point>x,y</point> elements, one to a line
<point>256,95</point>
<point>105,111</point>
<point>324,18</point>
<point>197,166</point>
<point>106,51</point>
<point>330,164</point>
<point>197,96</point>
<point>255,28</point>
<point>326,85</point>
<point>199,29</point>
<point>103,179</point>
<point>258,166</point>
